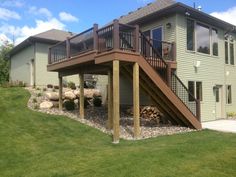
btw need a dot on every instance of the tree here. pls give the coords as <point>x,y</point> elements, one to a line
<point>4,61</point>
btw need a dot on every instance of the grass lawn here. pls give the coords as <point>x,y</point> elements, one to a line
<point>34,144</point>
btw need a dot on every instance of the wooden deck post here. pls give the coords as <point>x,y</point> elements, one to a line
<point>95,37</point>
<point>198,110</point>
<point>169,74</point>
<point>136,38</point>
<point>116,34</point>
<point>110,101</point>
<point>116,102</point>
<point>60,91</point>
<point>81,96</point>
<point>67,48</point>
<point>136,100</point>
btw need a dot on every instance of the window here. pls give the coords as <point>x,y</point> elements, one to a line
<point>203,38</point>
<point>190,34</point>
<point>228,94</point>
<point>229,50</point>
<point>217,95</point>
<point>192,93</point>
<point>214,42</point>
<point>226,53</point>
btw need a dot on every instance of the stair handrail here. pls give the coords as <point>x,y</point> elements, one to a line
<point>197,114</point>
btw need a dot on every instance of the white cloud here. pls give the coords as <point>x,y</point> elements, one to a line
<point>21,33</point>
<point>6,14</point>
<point>40,12</point>
<point>3,39</point>
<point>228,16</point>
<point>67,17</point>
<point>13,3</point>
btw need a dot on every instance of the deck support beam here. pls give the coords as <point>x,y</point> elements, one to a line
<point>81,96</point>
<point>60,91</point>
<point>110,101</point>
<point>136,100</point>
<point>116,101</point>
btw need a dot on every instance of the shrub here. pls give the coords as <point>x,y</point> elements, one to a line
<point>34,100</point>
<point>44,89</point>
<point>49,86</point>
<point>71,85</point>
<point>39,94</point>
<point>231,114</point>
<point>37,88</point>
<point>69,105</point>
<point>56,87</point>
<point>97,101</point>
<point>36,106</point>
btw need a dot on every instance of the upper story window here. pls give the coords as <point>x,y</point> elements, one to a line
<point>229,50</point>
<point>202,38</point>
<point>190,34</point>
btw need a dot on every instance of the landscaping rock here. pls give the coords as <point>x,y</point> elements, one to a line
<point>46,105</point>
<point>55,104</point>
<point>52,96</point>
<point>89,93</point>
<point>70,95</point>
<point>77,93</point>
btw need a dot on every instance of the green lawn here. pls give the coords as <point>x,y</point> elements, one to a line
<point>35,144</point>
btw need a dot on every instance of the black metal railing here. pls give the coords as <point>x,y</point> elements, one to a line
<point>73,46</point>
<point>57,52</point>
<point>165,49</point>
<point>178,87</point>
<point>153,57</point>
<point>105,38</point>
<point>82,42</point>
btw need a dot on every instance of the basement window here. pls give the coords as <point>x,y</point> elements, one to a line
<point>195,90</point>
<point>228,94</point>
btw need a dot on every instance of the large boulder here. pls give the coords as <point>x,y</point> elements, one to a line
<point>77,93</point>
<point>70,95</point>
<point>46,105</point>
<point>53,96</point>
<point>89,93</point>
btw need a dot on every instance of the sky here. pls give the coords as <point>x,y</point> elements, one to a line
<point>20,19</point>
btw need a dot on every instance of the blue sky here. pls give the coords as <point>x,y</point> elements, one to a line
<point>22,18</point>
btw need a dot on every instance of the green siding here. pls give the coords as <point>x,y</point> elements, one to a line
<point>43,77</point>
<point>20,65</point>
<point>211,71</point>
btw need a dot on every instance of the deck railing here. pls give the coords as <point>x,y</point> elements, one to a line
<point>127,38</point>
<point>155,59</point>
<point>165,49</point>
<point>78,44</point>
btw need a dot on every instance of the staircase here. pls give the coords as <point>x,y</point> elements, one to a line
<point>167,91</point>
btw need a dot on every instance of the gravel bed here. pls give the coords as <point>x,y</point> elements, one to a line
<point>96,117</point>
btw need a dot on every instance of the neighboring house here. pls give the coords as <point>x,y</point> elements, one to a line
<point>185,59</point>
<point>29,59</point>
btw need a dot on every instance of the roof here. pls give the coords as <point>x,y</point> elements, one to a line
<point>163,8</point>
<point>52,36</point>
<point>146,10</point>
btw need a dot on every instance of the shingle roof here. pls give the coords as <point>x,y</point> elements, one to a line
<point>49,37</point>
<point>54,34</point>
<point>146,10</point>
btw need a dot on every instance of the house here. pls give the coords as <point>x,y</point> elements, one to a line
<point>28,60</point>
<point>166,53</point>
